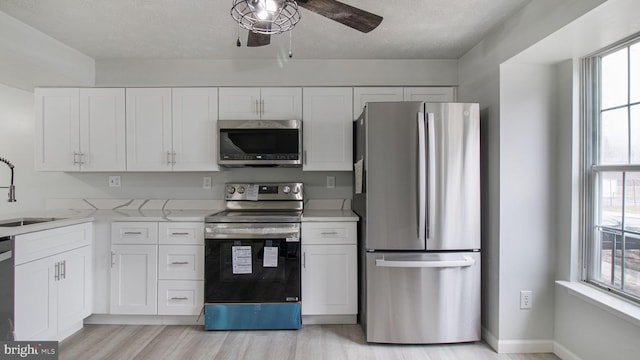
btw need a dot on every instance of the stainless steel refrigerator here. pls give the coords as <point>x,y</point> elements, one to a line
<point>417,192</point>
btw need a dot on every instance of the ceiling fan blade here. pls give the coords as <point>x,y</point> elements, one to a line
<point>257,39</point>
<point>348,15</point>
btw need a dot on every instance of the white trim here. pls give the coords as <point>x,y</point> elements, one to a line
<point>564,353</point>
<point>612,304</point>
<point>144,319</point>
<point>517,346</point>
<point>328,319</point>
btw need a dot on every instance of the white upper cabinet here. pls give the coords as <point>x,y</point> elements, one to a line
<point>149,129</point>
<point>327,129</point>
<point>195,122</point>
<point>57,126</point>
<point>171,129</point>
<point>260,103</point>
<point>80,129</point>
<point>102,130</point>
<point>362,95</point>
<point>430,94</point>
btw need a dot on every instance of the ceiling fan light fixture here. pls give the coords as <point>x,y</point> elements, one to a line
<point>266,16</point>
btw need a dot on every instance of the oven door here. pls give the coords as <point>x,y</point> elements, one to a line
<point>252,263</point>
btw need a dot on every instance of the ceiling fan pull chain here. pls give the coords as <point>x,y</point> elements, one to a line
<point>290,47</point>
<point>238,43</point>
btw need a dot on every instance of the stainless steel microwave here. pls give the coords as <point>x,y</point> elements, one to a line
<point>260,143</point>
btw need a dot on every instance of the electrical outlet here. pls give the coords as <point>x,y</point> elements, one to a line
<point>526,299</point>
<point>331,182</point>
<point>206,182</point>
<point>114,181</point>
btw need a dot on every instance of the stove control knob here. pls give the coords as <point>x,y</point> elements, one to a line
<point>240,190</point>
<point>296,190</point>
<point>286,189</point>
<point>231,189</point>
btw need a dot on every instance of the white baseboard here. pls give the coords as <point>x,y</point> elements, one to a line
<point>329,319</point>
<point>144,319</point>
<point>517,346</point>
<point>564,353</point>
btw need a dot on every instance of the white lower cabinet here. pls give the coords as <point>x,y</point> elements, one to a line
<point>134,279</point>
<point>329,268</point>
<point>157,268</point>
<point>52,282</point>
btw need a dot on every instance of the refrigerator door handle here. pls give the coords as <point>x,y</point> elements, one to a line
<point>422,179</point>
<point>431,171</point>
<point>464,262</point>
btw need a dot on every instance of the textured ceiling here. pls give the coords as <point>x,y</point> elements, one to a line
<point>411,29</point>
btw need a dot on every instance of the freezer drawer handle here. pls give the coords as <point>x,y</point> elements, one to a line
<point>425,264</point>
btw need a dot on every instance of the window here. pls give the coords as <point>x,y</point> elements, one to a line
<point>612,168</point>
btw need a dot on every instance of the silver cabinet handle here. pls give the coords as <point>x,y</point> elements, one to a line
<point>173,157</point>
<point>113,259</point>
<point>81,158</point>
<point>179,263</point>
<point>262,106</point>
<point>179,298</point>
<point>76,156</point>
<point>329,233</point>
<point>56,276</point>
<point>257,107</point>
<point>133,232</point>
<point>168,157</point>
<point>179,233</point>
<point>64,269</point>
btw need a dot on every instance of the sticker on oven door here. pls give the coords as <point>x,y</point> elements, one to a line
<point>293,239</point>
<point>270,257</point>
<point>241,259</point>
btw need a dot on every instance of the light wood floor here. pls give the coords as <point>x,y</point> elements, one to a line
<point>327,342</point>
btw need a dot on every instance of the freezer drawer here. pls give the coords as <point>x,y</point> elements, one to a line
<point>422,298</point>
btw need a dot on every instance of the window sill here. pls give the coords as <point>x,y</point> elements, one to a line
<point>612,304</point>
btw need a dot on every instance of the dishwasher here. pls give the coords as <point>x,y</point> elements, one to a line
<point>6,289</point>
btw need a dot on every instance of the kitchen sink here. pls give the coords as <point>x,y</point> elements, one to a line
<point>26,221</point>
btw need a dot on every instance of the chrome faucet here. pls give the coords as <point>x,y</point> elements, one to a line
<point>12,188</point>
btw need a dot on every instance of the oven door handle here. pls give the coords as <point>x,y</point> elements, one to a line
<point>290,233</point>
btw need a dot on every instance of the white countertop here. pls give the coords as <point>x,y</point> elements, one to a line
<point>328,215</point>
<point>72,217</point>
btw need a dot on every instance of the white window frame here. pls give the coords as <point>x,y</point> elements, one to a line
<point>591,111</point>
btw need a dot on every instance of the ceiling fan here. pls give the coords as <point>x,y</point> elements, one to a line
<point>264,18</point>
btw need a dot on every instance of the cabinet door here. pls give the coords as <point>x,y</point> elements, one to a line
<point>149,129</point>
<point>239,104</point>
<point>102,130</point>
<point>134,279</point>
<point>36,308</point>
<point>74,286</point>
<point>328,129</point>
<point>195,125</point>
<point>430,94</point>
<point>281,103</point>
<point>363,95</point>
<point>57,143</point>
<point>329,280</point>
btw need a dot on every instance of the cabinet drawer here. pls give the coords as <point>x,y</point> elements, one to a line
<point>184,262</point>
<point>180,297</point>
<point>329,233</point>
<point>134,233</point>
<point>181,233</point>
<point>40,244</point>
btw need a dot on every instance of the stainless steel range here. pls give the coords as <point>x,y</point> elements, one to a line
<point>252,258</point>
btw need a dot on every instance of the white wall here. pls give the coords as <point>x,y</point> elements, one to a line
<point>479,81</point>
<point>202,72</point>
<point>29,58</point>
<point>530,94</point>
